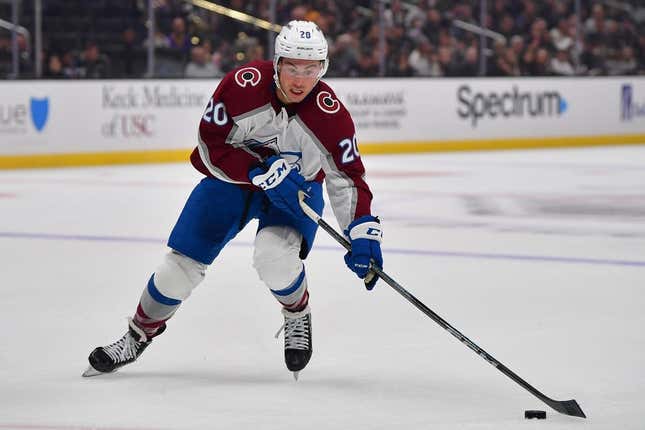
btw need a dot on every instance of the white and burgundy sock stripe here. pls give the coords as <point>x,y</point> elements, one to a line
<point>300,304</point>
<point>147,324</point>
<point>295,297</point>
<point>154,308</point>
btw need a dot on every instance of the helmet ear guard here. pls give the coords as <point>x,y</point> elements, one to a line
<point>300,40</point>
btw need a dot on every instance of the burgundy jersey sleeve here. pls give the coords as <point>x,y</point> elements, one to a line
<point>331,127</point>
<point>220,151</point>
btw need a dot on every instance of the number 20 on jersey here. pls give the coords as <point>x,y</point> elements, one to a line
<point>215,113</point>
<point>350,150</point>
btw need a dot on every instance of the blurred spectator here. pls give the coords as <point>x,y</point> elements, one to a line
<point>160,40</point>
<point>371,39</point>
<point>509,63</point>
<point>432,25</point>
<point>624,63</point>
<point>526,16</point>
<point>5,57</point>
<point>561,64</point>
<point>593,55</point>
<point>541,65</point>
<point>172,51</point>
<point>246,48</point>
<point>401,66</point>
<point>255,52</point>
<point>129,53</point>
<point>395,15</point>
<point>447,61</point>
<point>463,11</point>
<point>445,38</point>
<point>499,9</point>
<point>415,32</point>
<point>596,22</point>
<point>419,35</point>
<point>299,12</point>
<point>165,12</point>
<point>200,65</point>
<point>224,57</point>
<point>70,66</point>
<point>345,54</point>
<point>495,62</point>
<point>539,34</point>
<point>641,50</point>
<point>93,64</point>
<point>518,47</point>
<point>25,62</point>
<point>178,38</point>
<point>469,66</point>
<point>423,60</point>
<point>613,37</point>
<point>5,44</point>
<point>367,64</point>
<point>507,26</point>
<point>54,69</point>
<point>562,36</point>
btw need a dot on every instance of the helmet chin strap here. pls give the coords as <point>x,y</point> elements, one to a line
<point>276,79</point>
<point>277,84</point>
<point>285,95</point>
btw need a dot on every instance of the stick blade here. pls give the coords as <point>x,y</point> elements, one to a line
<point>568,407</point>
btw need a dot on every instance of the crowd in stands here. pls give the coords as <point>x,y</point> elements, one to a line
<point>99,39</point>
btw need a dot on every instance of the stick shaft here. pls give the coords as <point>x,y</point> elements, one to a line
<point>568,407</point>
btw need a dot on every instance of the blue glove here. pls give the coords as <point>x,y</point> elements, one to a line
<point>281,184</point>
<point>365,235</point>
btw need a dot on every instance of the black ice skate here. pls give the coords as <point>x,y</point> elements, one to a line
<point>107,359</point>
<point>297,339</point>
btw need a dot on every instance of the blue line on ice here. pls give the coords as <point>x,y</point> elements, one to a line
<point>421,252</point>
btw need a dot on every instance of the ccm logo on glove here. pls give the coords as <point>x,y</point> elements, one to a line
<point>276,173</point>
<point>281,184</point>
<point>365,236</point>
<point>367,230</point>
<point>374,232</point>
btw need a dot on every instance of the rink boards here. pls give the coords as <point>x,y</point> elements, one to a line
<point>59,123</point>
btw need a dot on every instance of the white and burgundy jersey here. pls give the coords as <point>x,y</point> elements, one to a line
<point>245,122</point>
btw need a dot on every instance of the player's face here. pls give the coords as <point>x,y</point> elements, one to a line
<point>297,78</point>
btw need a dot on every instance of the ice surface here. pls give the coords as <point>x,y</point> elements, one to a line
<point>537,256</point>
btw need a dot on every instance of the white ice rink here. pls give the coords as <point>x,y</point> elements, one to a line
<point>537,256</point>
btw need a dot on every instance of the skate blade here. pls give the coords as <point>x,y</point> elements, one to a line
<point>295,375</point>
<point>91,372</point>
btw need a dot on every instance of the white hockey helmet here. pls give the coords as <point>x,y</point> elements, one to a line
<point>301,40</point>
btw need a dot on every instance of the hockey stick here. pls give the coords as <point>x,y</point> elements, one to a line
<point>567,407</point>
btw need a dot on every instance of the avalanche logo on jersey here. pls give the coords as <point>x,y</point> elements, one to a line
<point>326,103</point>
<point>247,75</point>
<point>293,158</point>
<point>252,143</point>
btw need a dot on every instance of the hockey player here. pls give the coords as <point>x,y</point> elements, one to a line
<point>270,130</point>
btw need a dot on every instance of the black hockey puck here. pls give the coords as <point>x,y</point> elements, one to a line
<point>540,415</point>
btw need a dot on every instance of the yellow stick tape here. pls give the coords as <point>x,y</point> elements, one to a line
<point>182,155</point>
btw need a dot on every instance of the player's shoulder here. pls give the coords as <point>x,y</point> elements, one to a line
<point>324,113</point>
<point>255,74</point>
<point>247,87</point>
